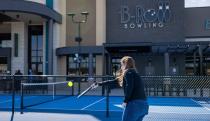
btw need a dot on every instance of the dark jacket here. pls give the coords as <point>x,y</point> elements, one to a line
<point>133,86</point>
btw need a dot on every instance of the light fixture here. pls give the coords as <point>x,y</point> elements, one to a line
<point>85,13</point>
<point>78,39</point>
<point>71,14</point>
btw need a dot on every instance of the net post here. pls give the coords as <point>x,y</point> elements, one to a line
<point>79,84</point>
<point>13,94</point>
<point>103,88</point>
<point>54,86</point>
<point>53,91</point>
<point>72,89</point>
<point>73,81</point>
<point>21,102</point>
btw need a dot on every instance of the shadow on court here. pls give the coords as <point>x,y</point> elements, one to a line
<point>35,116</point>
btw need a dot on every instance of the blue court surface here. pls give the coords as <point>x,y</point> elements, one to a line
<point>161,108</point>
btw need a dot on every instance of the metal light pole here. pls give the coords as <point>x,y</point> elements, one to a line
<point>79,40</point>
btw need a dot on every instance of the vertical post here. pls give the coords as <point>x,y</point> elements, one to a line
<point>79,39</point>
<point>13,94</point>
<point>166,82</point>
<point>201,60</point>
<point>166,58</point>
<point>54,80</point>
<point>109,64</point>
<point>21,102</point>
<point>53,91</point>
<point>104,69</point>
<point>194,63</point>
<point>79,29</point>
<point>90,63</point>
<point>49,42</point>
<point>13,97</point>
<point>107,100</point>
<point>79,66</point>
<point>72,88</point>
<point>68,76</point>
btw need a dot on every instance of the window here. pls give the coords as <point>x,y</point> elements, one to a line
<point>3,65</point>
<point>73,66</point>
<point>192,68</point>
<point>115,65</point>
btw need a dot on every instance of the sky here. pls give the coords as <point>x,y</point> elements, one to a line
<point>197,3</point>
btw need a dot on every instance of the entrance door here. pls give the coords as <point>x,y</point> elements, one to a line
<point>36,49</point>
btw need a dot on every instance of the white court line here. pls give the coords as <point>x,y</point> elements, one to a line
<point>93,103</point>
<point>201,105</point>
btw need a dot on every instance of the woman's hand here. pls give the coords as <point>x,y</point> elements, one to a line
<point>124,104</point>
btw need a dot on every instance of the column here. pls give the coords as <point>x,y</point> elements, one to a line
<point>21,61</point>
<point>103,62</point>
<point>166,82</point>
<point>59,38</point>
<point>100,22</point>
<point>109,66</point>
<point>50,47</point>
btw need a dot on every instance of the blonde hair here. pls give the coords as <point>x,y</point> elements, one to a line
<point>129,62</point>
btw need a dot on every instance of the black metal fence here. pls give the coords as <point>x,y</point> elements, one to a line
<point>177,86</point>
<point>170,86</point>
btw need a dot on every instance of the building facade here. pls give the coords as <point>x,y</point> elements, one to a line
<point>163,36</point>
<point>28,40</point>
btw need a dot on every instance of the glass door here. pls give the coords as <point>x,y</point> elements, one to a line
<point>36,49</point>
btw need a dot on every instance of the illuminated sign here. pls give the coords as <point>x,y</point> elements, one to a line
<point>145,21</point>
<point>144,18</point>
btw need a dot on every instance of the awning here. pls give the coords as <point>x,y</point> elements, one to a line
<point>63,51</point>
<point>159,48</point>
<point>30,7</point>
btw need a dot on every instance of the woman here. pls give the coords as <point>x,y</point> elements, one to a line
<point>135,101</point>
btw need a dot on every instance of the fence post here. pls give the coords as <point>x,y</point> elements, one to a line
<point>21,102</point>
<point>107,100</point>
<point>13,94</point>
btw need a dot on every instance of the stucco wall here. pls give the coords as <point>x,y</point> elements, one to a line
<point>88,30</point>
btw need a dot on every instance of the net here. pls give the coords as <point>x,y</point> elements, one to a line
<point>33,94</point>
